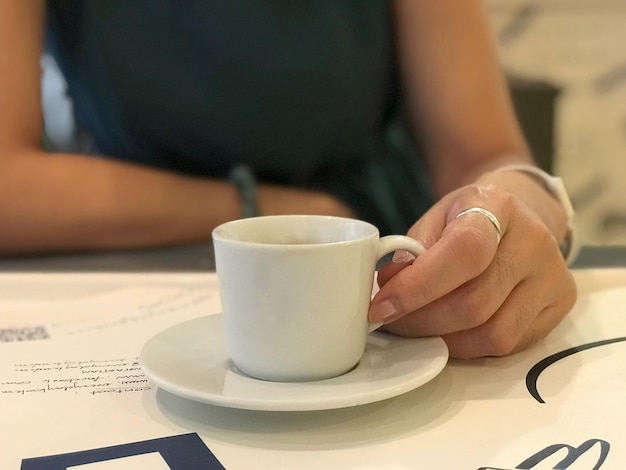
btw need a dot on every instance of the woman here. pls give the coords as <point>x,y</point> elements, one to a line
<point>228,109</point>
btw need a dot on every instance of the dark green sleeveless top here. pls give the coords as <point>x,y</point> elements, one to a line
<point>303,92</point>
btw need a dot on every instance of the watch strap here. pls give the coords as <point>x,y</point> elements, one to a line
<point>245,182</point>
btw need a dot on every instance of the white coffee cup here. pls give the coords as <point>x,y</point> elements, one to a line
<point>295,292</point>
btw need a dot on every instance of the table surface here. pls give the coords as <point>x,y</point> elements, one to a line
<point>77,397</point>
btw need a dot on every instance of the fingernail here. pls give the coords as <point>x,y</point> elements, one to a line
<point>382,311</point>
<point>402,256</point>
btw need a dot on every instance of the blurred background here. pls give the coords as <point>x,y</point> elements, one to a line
<point>566,64</point>
<point>566,60</point>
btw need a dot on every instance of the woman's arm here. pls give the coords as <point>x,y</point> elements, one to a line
<point>460,103</point>
<point>65,202</point>
<point>458,98</point>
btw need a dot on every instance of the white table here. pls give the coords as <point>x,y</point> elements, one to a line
<point>474,414</point>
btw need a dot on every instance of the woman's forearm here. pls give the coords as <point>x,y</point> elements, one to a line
<point>61,201</point>
<point>57,202</point>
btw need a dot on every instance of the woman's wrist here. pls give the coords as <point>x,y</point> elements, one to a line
<point>557,213</point>
<point>554,186</point>
<point>277,200</point>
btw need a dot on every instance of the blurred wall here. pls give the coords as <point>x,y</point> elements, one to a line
<point>578,49</point>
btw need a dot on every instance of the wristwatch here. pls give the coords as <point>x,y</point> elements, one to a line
<point>554,185</point>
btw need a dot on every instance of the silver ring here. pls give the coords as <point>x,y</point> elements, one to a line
<point>492,218</point>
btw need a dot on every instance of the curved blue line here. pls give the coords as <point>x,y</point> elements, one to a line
<point>537,369</point>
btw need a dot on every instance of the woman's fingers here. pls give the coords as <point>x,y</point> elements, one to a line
<point>484,298</point>
<point>465,250</point>
<point>466,307</point>
<point>521,321</point>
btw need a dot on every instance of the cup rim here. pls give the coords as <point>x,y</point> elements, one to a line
<point>217,233</point>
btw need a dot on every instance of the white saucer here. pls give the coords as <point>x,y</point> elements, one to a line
<point>190,360</point>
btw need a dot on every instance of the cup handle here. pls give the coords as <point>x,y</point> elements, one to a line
<point>392,243</point>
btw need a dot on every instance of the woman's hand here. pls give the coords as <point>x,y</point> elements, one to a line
<point>483,297</point>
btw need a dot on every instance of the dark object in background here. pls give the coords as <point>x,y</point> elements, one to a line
<point>535,103</point>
